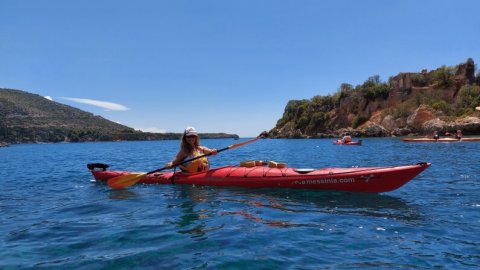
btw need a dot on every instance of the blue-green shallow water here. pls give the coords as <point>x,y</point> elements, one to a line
<point>54,217</point>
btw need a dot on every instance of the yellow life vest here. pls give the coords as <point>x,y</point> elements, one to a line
<point>197,165</point>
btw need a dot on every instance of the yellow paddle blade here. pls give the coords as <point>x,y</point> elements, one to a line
<point>124,181</point>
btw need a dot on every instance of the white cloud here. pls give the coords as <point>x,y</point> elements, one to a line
<point>49,98</point>
<point>152,130</point>
<point>98,103</point>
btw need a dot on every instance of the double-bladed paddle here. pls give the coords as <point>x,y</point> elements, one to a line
<point>124,181</point>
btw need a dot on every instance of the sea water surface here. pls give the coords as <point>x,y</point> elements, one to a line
<point>53,216</point>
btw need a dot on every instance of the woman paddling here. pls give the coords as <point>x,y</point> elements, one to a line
<point>190,148</point>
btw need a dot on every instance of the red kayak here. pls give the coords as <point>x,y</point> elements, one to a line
<point>471,139</point>
<point>340,142</point>
<point>367,179</point>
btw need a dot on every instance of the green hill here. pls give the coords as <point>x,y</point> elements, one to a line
<point>30,118</point>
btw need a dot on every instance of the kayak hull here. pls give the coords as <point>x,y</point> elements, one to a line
<point>340,142</point>
<point>441,140</point>
<point>367,179</point>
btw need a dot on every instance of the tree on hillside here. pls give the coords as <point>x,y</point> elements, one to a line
<point>468,98</point>
<point>374,88</point>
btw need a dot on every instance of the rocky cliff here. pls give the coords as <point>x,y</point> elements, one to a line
<point>410,103</point>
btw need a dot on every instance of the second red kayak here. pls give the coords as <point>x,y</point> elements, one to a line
<point>366,179</point>
<point>471,139</point>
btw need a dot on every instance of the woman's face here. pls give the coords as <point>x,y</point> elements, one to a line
<point>191,139</point>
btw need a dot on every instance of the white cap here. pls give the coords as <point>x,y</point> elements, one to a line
<point>190,131</point>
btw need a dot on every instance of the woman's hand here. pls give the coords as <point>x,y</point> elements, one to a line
<point>169,164</point>
<point>213,152</point>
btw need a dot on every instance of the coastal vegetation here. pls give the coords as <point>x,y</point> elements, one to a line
<point>30,118</point>
<point>443,99</point>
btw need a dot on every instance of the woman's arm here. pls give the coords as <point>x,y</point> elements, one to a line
<point>178,158</point>
<point>207,150</point>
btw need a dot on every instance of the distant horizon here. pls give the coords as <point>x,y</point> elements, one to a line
<point>221,66</point>
<point>118,107</point>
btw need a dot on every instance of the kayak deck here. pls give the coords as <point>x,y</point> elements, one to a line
<point>468,139</point>
<point>366,179</point>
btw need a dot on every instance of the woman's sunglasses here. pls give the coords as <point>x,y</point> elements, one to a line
<point>191,136</point>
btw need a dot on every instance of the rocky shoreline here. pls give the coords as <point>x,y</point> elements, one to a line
<point>421,123</point>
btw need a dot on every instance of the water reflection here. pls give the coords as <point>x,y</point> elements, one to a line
<point>121,194</point>
<point>259,205</point>
<point>194,215</point>
<point>273,223</point>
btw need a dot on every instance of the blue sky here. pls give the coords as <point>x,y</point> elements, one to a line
<point>221,66</point>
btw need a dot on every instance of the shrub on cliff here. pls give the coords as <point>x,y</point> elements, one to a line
<point>307,114</point>
<point>401,111</point>
<point>440,105</point>
<point>318,122</point>
<point>343,92</point>
<point>468,98</point>
<point>419,80</point>
<point>374,88</point>
<point>359,119</point>
<point>293,111</point>
<point>444,76</point>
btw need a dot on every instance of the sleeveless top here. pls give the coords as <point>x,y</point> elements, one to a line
<point>197,165</point>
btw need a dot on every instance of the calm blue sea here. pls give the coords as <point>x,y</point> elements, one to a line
<point>54,217</point>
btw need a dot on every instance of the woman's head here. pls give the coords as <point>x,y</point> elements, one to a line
<point>190,139</point>
<point>190,131</point>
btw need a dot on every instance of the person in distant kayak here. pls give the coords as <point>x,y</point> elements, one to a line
<point>346,138</point>
<point>436,135</point>
<point>458,135</point>
<point>190,148</point>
